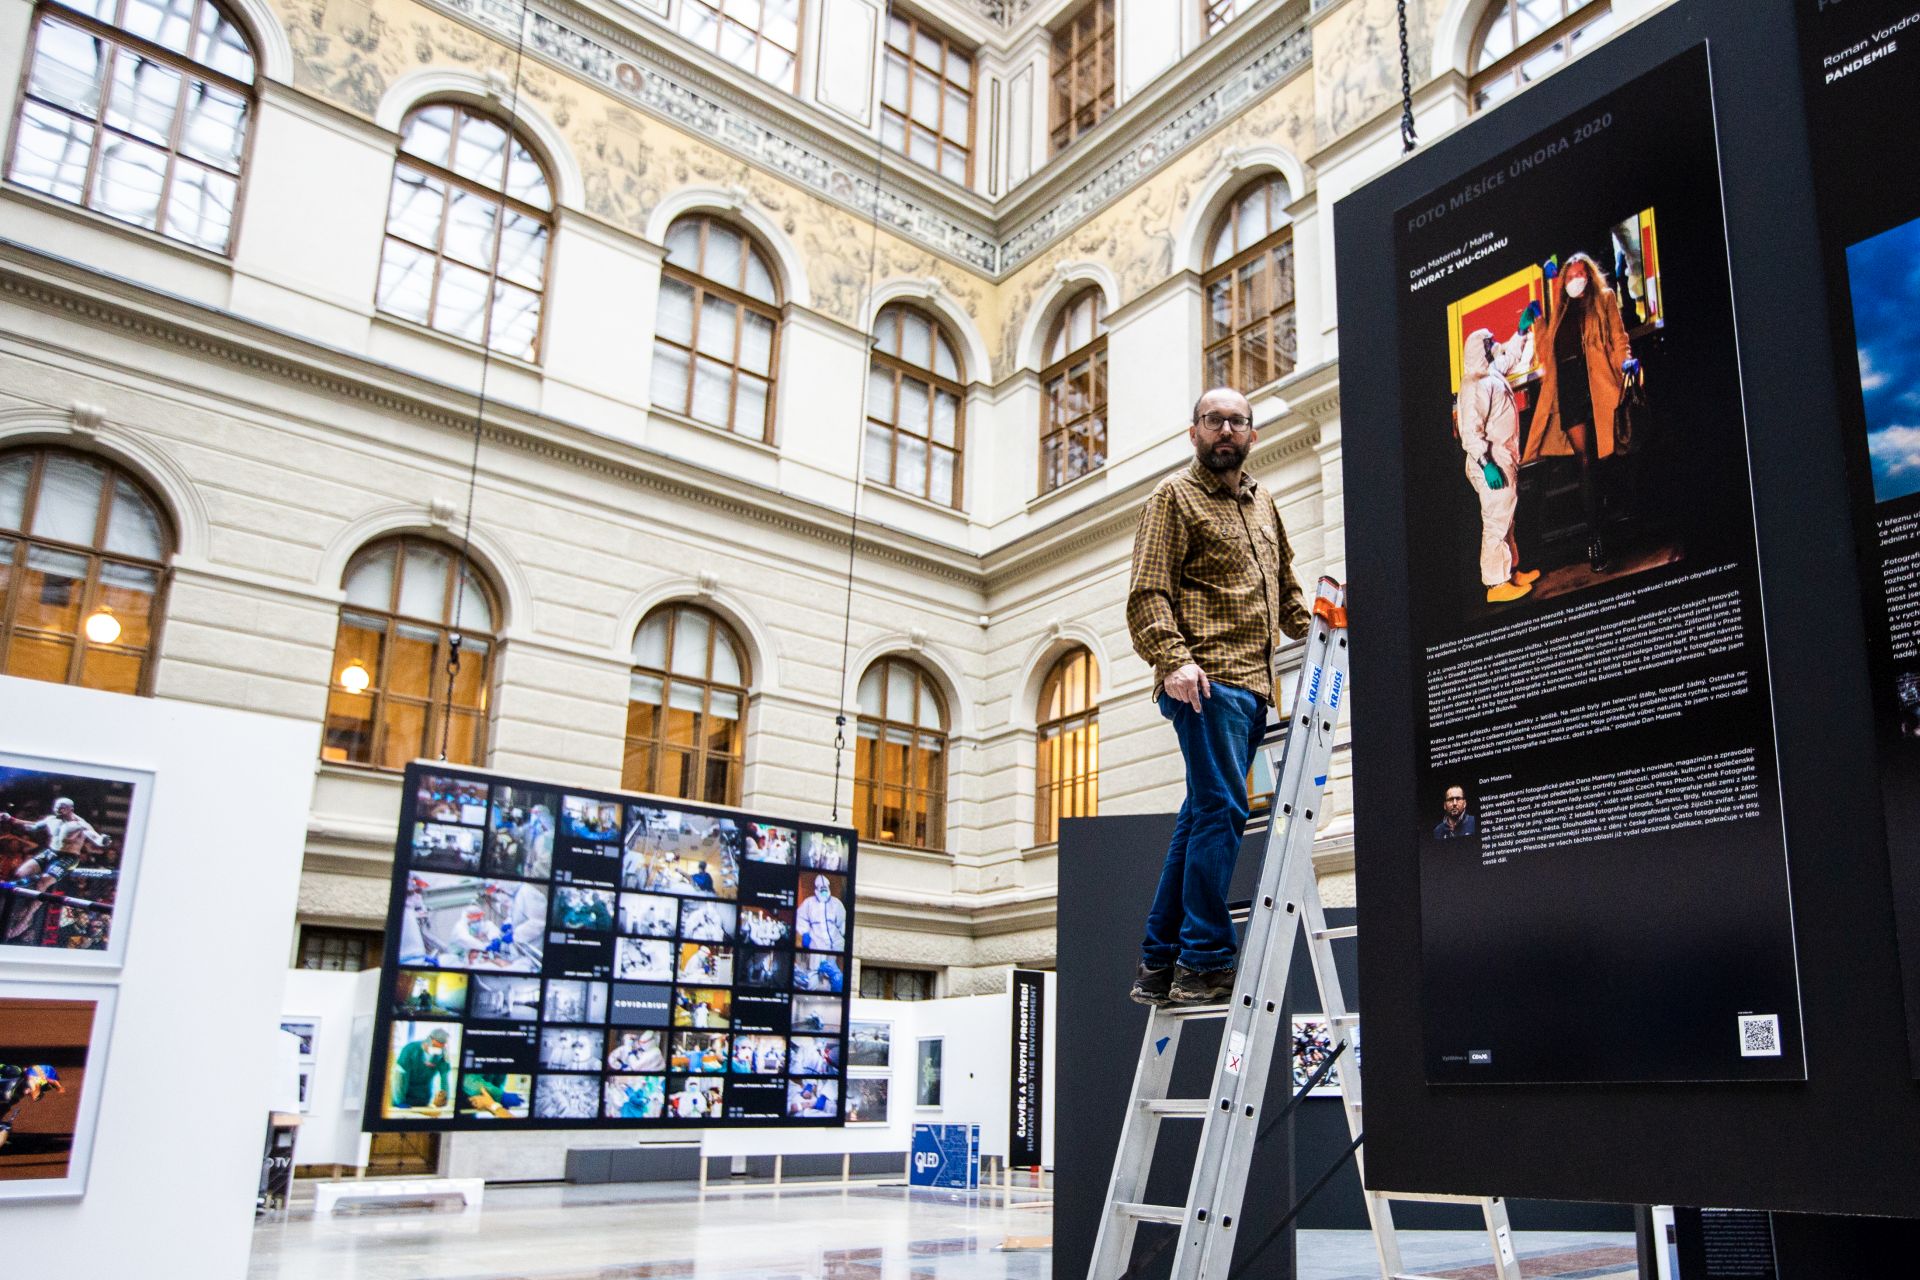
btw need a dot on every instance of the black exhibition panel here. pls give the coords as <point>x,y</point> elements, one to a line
<point>1634,1102</point>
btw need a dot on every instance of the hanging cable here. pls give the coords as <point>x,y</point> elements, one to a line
<point>454,637</point>
<point>859,478</point>
<point>1408,139</point>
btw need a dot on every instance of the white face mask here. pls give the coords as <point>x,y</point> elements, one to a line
<point>1576,286</point>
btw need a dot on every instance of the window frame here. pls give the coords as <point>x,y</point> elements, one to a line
<point>548,218</point>
<point>372,942</point>
<point>1047,813</point>
<point>120,38</point>
<point>949,46</point>
<point>1063,60</point>
<point>894,972</point>
<point>901,368</point>
<point>1227,221</point>
<point>717,9</point>
<point>1583,15</point>
<point>1094,352</point>
<point>867,817</point>
<point>435,701</point>
<point>1216,16</point>
<point>96,554</point>
<point>658,745</point>
<point>701,284</point>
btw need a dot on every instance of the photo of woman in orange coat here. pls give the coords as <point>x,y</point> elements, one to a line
<point>1584,356</point>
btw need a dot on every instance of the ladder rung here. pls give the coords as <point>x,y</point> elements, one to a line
<point>1171,1214</point>
<point>1430,1197</point>
<point>1220,1010</point>
<point>1338,931</point>
<point>1192,1108</point>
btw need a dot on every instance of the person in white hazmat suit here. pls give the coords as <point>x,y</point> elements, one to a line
<point>1489,427</point>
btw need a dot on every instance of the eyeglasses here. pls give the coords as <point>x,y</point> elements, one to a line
<point>1226,422</point>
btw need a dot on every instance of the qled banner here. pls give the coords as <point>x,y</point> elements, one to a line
<point>1857,58</point>
<point>1026,1099</point>
<point>1602,870</point>
<point>568,958</point>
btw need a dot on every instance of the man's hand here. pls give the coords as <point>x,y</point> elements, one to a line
<point>1189,684</point>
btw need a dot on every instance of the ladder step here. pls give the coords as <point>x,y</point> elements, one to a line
<point>1190,1108</point>
<point>1171,1214</point>
<point>1429,1197</point>
<point>1220,1010</point>
<point>1339,931</point>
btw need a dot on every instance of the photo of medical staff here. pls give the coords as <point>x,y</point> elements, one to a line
<point>440,847</point>
<point>635,1051</point>
<point>818,973</point>
<point>695,1097</point>
<point>870,1044</point>
<point>490,1096</point>
<point>578,910</point>
<point>759,1055</point>
<point>566,1097</point>
<point>765,970</point>
<point>705,963</point>
<point>570,1000</point>
<point>646,916</point>
<point>820,921</point>
<point>636,1097</point>
<point>570,1048</point>
<point>816,1015</point>
<point>520,834</point>
<point>426,994</point>
<point>813,1056</point>
<point>585,818</point>
<point>698,1051</point>
<point>702,1007</point>
<point>503,999</point>
<point>643,960</point>
<point>822,852</point>
<point>460,922</point>
<point>444,798</point>
<point>766,843</point>
<point>668,851</point>
<point>420,1065</point>
<point>813,1099</point>
<point>708,921</point>
<point>766,926</point>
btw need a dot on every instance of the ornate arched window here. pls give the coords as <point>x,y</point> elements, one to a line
<point>1073,392</point>
<point>83,571</point>
<point>1250,335</point>
<point>1521,40</point>
<point>388,702</point>
<point>139,109</point>
<point>1067,772</point>
<point>687,711</point>
<point>717,327</point>
<point>900,760</point>
<point>761,37</point>
<point>469,228</point>
<point>916,406</point>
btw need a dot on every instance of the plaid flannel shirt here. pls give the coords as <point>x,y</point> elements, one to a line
<point>1212,581</point>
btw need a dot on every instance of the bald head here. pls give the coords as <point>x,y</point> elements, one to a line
<point>1221,400</point>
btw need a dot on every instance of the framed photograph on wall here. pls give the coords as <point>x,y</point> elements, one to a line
<point>870,1044</point>
<point>70,840</point>
<point>307,1032</point>
<point>928,1073</point>
<point>867,1099</point>
<point>306,1088</point>
<point>1313,1040</point>
<point>359,1058</point>
<point>53,1056</point>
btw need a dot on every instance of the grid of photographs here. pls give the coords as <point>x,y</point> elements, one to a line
<point>561,958</point>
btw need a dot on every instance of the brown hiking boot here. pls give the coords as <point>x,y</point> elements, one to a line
<point>1150,984</point>
<point>1211,986</point>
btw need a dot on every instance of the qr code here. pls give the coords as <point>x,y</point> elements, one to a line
<point>1759,1035</point>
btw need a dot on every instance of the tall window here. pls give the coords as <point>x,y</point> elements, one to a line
<point>138,109</point>
<point>926,98</point>
<point>1067,779</point>
<point>717,328</point>
<point>388,702</point>
<point>900,764</point>
<point>761,37</point>
<point>916,420</point>
<point>83,571</point>
<point>1521,40</point>
<point>1083,56</point>
<point>1250,337</point>
<point>469,225</point>
<point>878,982</point>
<point>1073,397</point>
<point>687,712</point>
<point>1216,14</point>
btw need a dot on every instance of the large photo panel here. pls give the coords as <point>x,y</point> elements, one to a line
<point>565,958</point>
<point>1602,871</point>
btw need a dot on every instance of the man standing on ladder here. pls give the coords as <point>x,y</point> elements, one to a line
<point>1212,589</point>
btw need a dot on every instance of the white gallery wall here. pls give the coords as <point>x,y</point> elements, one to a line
<point>189,1064</point>
<point>330,1126</point>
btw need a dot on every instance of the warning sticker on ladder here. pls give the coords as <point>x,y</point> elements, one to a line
<point>1236,1052</point>
<point>1504,1238</point>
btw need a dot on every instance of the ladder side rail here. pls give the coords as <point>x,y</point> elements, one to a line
<point>1133,1158</point>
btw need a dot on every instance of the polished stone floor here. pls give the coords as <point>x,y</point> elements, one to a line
<point>866,1232</point>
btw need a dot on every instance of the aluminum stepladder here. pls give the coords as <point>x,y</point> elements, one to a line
<point>1286,900</point>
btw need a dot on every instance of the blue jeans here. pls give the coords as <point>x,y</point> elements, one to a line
<point>1189,922</point>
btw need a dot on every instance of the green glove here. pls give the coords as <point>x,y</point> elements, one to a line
<point>1529,316</point>
<point>1492,473</point>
